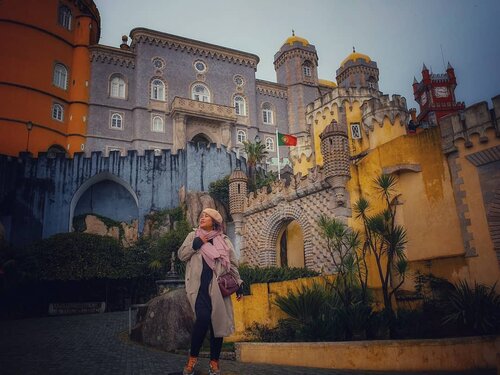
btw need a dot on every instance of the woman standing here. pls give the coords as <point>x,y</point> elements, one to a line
<point>209,254</point>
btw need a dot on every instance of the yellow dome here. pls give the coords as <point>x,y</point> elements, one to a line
<point>355,56</point>
<point>295,38</point>
<point>325,82</point>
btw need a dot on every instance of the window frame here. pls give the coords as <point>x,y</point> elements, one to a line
<point>153,118</point>
<point>154,92</point>
<point>64,17</point>
<point>241,109</point>
<point>111,119</point>
<point>194,94</point>
<point>119,85</point>
<point>266,113</point>
<point>61,111</point>
<point>269,142</point>
<point>59,73</point>
<point>244,138</point>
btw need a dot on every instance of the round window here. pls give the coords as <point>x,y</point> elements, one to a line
<point>200,66</point>
<point>239,80</point>
<point>158,63</point>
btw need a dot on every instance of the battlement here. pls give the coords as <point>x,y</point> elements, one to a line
<point>474,120</point>
<point>341,94</point>
<point>376,109</point>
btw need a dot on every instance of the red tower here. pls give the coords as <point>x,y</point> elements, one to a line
<point>436,95</point>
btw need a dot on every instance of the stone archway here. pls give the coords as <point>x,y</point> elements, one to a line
<point>101,177</point>
<point>282,216</point>
<point>201,140</point>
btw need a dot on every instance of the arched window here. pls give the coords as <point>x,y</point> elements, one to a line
<point>157,89</point>
<point>157,124</point>
<point>307,69</point>
<point>57,112</point>
<point>267,114</point>
<point>269,144</point>
<point>116,121</point>
<point>241,136</point>
<point>240,105</point>
<point>117,87</point>
<point>200,92</point>
<point>64,17</point>
<point>60,76</point>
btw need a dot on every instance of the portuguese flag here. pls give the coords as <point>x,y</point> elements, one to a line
<point>286,140</point>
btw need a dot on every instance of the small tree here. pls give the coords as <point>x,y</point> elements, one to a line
<point>256,152</point>
<point>385,239</point>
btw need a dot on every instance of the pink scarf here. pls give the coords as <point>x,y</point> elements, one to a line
<point>219,249</point>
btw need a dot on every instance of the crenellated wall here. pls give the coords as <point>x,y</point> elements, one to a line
<point>38,196</point>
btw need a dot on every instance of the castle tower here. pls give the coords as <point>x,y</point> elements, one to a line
<point>335,151</point>
<point>435,94</point>
<point>358,70</point>
<point>296,65</point>
<point>237,193</point>
<point>46,77</point>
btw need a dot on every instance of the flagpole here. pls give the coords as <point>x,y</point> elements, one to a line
<point>278,153</point>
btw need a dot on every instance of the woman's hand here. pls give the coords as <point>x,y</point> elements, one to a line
<point>203,238</point>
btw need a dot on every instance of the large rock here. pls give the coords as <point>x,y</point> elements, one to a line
<point>197,202</point>
<point>166,322</point>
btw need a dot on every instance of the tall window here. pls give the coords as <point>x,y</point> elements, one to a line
<point>117,87</point>
<point>57,112</point>
<point>241,136</point>
<point>157,89</point>
<point>307,69</point>
<point>239,105</point>
<point>157,124</point>
<point>200,92</point>
<point>269,144</point>
<point>65,17</point>
<point>116,121</point>
<point>267,114</point>
<point>60,76</point>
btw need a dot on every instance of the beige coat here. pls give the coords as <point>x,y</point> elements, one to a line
<point>222,307</point>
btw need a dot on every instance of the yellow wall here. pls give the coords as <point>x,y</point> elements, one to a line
<point>454,354</point>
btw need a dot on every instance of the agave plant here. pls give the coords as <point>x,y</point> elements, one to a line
<point>473,310</point>
<point>309,311</point>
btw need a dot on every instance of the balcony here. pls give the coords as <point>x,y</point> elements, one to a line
<point>205,110</point>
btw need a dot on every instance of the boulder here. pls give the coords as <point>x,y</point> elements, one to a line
<point>166,322</point>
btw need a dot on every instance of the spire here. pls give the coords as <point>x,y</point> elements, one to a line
<point>424,67</point>
<point>293,32</point>
<point>353,49</point>
<point>414,80</point>
<point>449,66</point>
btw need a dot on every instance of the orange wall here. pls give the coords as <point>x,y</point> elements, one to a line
<point>34,42</point>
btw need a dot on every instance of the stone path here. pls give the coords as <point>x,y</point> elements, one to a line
<point>98,344</point>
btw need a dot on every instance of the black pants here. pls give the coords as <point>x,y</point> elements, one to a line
<point>201,325</point>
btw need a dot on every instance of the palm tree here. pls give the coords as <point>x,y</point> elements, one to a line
<point>256,152</point>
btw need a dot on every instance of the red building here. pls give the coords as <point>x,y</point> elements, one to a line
<point>435,94</point>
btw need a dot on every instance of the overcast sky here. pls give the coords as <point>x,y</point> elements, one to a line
<point>399,35</point>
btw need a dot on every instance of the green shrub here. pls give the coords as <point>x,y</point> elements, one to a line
<point>220,190</point>
<point>74,256</point>
<point>283,332</point>
<point>473,311</point>
<point>255,275</point>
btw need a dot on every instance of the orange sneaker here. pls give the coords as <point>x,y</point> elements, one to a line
<point>213,368</point>
<point>189,368</point>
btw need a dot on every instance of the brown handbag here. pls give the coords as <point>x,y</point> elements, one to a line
<point>227,284</point>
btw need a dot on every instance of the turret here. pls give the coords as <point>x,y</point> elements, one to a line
<point>237,192</point>
<point>336,158</point>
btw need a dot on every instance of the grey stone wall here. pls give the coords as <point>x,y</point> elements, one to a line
<point>39,195</point>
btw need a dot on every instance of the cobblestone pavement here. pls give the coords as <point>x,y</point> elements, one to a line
<point>98,344</point>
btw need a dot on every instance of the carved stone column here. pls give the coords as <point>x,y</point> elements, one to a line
<point>179,133</point>
<point>225,135</point>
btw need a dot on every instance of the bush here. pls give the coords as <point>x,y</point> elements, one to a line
<point>220,190</point>
<point>255,275</point>
<point>473,311</point>
<point>75,256</point>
